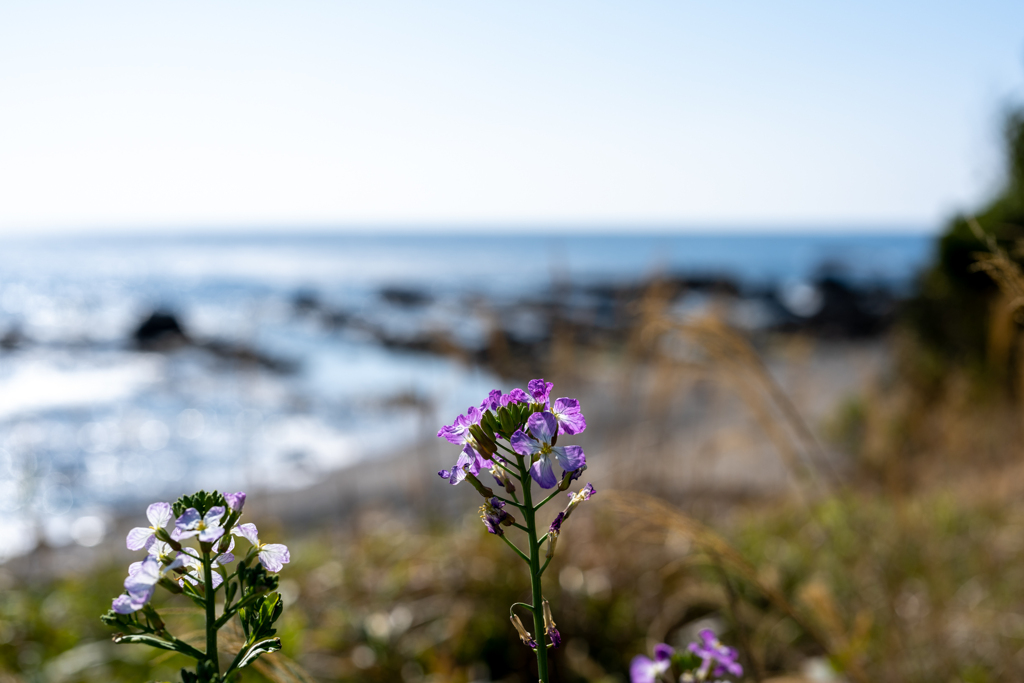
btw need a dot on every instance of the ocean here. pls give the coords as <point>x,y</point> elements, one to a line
<point>90,424</point>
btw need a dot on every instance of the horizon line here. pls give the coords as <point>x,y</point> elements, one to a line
<point>493,228</point>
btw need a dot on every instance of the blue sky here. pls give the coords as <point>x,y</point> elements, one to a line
<point>238,115</point>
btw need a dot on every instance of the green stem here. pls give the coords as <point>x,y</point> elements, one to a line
<point>545,565</point>
<point>211,611</point>
<point>507,470</point>
<point>529,512</point>
<point>546,500</point>
<point>510,502</point>
<point>512,545</point>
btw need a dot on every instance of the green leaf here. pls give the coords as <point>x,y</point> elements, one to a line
<point>160,643</point>
<point>257,649</point>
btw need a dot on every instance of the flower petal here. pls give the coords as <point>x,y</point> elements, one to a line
<point>523,444</point>
<point>227,556</point>
<point>273,556</point>
<point>159,549</point>
<point>145,578</point>
<point>542,473</point>
<point>159,514</point>
<point>178,561</point>
<point>469,457</point>
<point>539,390</point>
<point>123,604</point>
<point>641,670</point>
<point>542,426</point>
<point>211,534</point>
<point>570,419</point>
<point>570,457</point>
<point>189,520</point>
<point>138,536</point>
<point>248,532</point>
<point>213,515</point>
<point>236,501</point>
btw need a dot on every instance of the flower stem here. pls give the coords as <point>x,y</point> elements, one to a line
<point>513,546</point>
<point>529,512</point>
<point>211,612</point>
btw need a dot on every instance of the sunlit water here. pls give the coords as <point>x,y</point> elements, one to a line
<point>89,425</point>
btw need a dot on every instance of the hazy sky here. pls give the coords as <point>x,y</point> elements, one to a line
<point>170,115</point>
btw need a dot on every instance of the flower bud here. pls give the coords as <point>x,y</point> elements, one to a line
<point>484,444</point>
<point>552,540</point>
<point>154,618</point>
<point>524,635</point>
<point>478,485</point>
<point>224,544</point>
<point>490,422</point>
<point>501,476</point>
<point>508,425</point>
<point>549,625</point>
<point>162,535</point>
<point>487,429</point>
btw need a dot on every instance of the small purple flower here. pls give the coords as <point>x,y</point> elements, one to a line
<point>236,501</point>
<point>576,498</point>
<point>644,670</point>
<point>549,625</point>
<point>159,515</point>
<point>458,432</point>
<point>191,559</point>
<point>555,636</point>
<point>141,583</point>
<point>208,527</point>
<point>492,402</point>
<point>584,493</point>
<point>469,460</point>
<point>567,413</point>
<point>713,653</point>
<point>125,604</point>
<point>540,391</point>
<point>514,396</point>
<point>162,551</point>
<point>556,526</point>
<point>542,427</point>
<point>493,515</point>
<point>273,556</point>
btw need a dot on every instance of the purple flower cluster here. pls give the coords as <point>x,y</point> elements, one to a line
<point>715,660</point>
<point>167,560</point>
<point>529,422</point>
<point>494,517</point>
<point>645,670</point>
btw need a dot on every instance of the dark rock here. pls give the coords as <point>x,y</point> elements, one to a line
<point>13,339</point>
<point>305,301</point>
<point>402,296</point>
<point>246,355</point>
<point>844,312</point>
<point>160,331</point>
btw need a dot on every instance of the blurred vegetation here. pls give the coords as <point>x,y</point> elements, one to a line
<point>959,315</point>
<point>897,556</point>
<point>915,589</point>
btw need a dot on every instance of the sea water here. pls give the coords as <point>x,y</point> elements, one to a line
<point>90,424</point>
